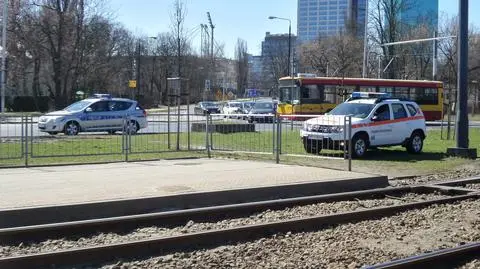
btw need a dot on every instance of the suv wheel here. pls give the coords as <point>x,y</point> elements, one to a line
<point>415,143</point>
<point>359,146</point>
<point>71,128</point>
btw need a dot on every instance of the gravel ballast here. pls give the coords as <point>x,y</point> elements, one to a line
<point>190,226</point>
<point>450,175</point>
<point>344,246</point>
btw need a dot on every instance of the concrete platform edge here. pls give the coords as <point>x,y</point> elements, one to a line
<point>110,208</point>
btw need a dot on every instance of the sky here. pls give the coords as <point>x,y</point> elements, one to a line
<point>233,19</point>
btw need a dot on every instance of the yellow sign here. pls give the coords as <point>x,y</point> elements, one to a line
<point>132,83</point>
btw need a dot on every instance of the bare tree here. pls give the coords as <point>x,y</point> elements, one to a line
<point>241,57</point>
<point>333,56</point>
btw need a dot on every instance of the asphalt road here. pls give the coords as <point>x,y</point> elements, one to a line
<point>158,123</point>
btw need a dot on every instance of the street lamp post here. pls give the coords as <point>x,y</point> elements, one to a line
<point>289,41</point>
<point>153,65</point>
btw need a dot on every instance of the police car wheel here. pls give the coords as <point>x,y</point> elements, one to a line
<point>312,146</point>
<point>71,128</point>
<point>359,146</point>
<point>131,127</point>
<point>415,143</point>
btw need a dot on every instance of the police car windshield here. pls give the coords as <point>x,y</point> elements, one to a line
<point>356,110</point>
<point>77,106</point>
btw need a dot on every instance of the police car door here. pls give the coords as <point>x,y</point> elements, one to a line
<point>400,123</point>
<point>98,117</point>
<point>381,129</point>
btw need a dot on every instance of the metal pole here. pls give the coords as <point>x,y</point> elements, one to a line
<point>279,139</point>
<point>26,138</point>
<point>207,130</point>
<point>168,120</point>
<point>178,120</point>
<point>289,47</point>
<point>4,53</point>
<point>462,90</point>
<point>365,43</point>
<point>350,144</point>
<point>379,66</point>
<point>138,71</point>
<point>435,54</point>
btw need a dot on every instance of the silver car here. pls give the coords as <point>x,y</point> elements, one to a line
<point>99,114</point>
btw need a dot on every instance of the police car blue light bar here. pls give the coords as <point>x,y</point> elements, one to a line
<point>366,95</point>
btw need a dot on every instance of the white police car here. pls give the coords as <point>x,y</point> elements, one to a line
<point>96,114</point>
<point>377,121</point>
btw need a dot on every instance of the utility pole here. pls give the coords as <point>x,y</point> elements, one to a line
<point>365,43</point>
<point>461,148</point>
<point>435,55</point>
<point>211,42</point>
<point>4,53</point>
<point>212,70</point>
<point>138,70</point>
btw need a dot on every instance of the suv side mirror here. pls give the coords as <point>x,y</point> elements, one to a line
<point>88,110</point>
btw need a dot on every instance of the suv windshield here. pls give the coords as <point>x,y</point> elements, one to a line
<point>208,104</point>
<point>235,104</point>
<point>356,110</point>
<point>77,106</point>
<point>263,105</point>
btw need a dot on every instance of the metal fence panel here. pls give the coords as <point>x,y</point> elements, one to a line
<point>42,144</point>
<point>327,136</point>
<point>169,132</point>
<point>12,137</point>
<point>243,133</point>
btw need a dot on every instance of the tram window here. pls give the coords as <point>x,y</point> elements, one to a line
<point>425,96</point>
<point>386,90</point>
<point>367,89</point>
<point>402,92</point>
<point>330,94</point>
<point>311,94</point>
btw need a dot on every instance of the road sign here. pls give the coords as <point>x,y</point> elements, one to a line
<point>252,92</point>
<point>132,83</point>
<point>207,85</point>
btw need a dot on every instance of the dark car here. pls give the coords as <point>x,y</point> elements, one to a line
<point>262,112</point>
<point>204,108</point>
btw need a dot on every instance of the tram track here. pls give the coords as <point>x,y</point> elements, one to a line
<point>404,199</point>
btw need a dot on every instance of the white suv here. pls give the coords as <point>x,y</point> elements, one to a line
<point>376,122</point>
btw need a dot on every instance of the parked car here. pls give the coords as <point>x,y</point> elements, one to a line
<point>247,106</point>
<point>232,107</point>
<point>263,111</point>
<point>203,108</point>
<point>376,122</point>
<point>100,113</point>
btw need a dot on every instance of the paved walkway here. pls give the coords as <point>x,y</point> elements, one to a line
<point>21,187</point>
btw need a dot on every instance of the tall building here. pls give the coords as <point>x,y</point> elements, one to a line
<point>323,18</point>
<point>425,11</point>
<point>255,69</point>
<point>275,50</point>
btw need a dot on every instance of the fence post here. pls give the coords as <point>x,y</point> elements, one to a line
<point>349,143</point>
<point>26,139</point>
<point>125,138</point>
<point>23,138</point>
<point>345,142</point>
<point>168,124</point>
<point>279,139</point>
<point>207,130</point>
<point>188,124</point>
<point>274,130</point>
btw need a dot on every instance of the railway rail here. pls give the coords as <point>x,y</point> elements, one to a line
<point>430,195</point>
